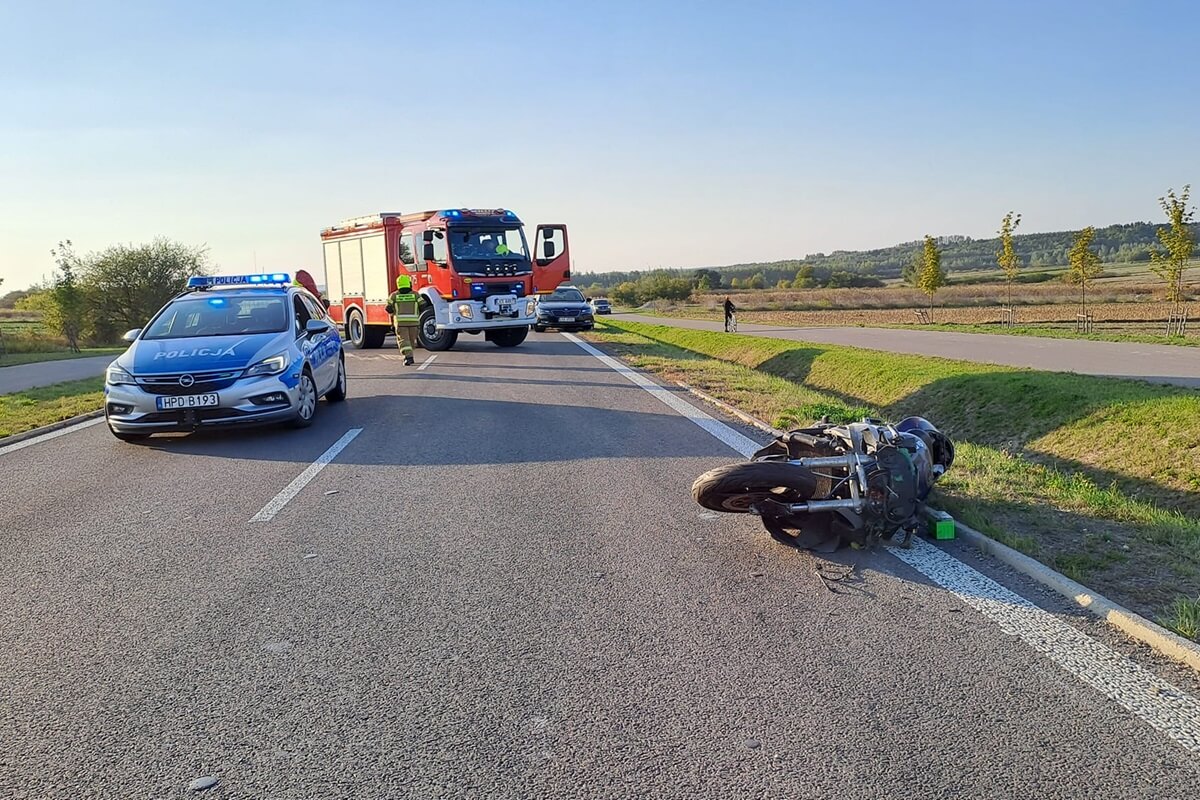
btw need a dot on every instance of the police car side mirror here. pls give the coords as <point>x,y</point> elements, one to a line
<point>325,302</point>
<point>316,326</point>
<point>131,335</point>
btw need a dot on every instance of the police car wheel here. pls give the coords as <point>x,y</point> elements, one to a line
<point>338,392</point>
<point>306,406</point>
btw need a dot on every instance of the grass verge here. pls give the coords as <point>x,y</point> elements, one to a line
<point>1044,332</point>
<point>33,408</point>
<point>13,359</point>
<point>1094,476</point>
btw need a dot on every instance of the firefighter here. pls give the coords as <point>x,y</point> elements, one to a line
<point>402,305</point>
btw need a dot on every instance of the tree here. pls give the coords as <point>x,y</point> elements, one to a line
<point>626,294</point>
<point>805,278</point>
<point>127,285</point>
<point>707,279</point>
<point>1083,263</point>
<point>757,281</point>
<point>932,277</point>
<point>912,268</point>
<point>1007,256</point>
<point>65,303</point>
<point>1178,242</point>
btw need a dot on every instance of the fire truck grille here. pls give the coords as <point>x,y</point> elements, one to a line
<point>494,269</point>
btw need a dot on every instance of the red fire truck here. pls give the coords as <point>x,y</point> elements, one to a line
<point>472,268</point>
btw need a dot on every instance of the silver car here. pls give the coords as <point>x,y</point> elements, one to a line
<point>231,350</point>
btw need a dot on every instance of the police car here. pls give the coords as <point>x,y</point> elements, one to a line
<point>229,350</point>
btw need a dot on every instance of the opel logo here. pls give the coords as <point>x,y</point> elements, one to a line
<point>186,380</point>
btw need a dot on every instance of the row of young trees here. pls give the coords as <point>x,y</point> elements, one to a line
<point>1168,261</point>
<point>97,297</point>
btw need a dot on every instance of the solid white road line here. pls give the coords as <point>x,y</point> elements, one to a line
<point>280,500</point>
<point>426,362</point>
<point>1158,703</point>
<point>718,429</point>
<point>45,437</point>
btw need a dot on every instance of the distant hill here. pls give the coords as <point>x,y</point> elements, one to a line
<point>1125,243</point>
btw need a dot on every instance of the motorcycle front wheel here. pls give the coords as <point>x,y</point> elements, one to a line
<point>734,488</point>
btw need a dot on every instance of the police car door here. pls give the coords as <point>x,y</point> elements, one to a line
<point>315,347</point>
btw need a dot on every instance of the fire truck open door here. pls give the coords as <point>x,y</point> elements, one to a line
<point>551,258</point>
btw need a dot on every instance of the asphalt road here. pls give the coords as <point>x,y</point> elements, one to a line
<point>20,377</point>
<point>1157,363</point>
<point>501,588</point>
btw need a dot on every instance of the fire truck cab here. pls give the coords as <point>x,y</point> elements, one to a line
<point>472,268</point>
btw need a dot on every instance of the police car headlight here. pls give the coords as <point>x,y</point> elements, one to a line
<point>465,310</point>
<point>270,366</point>
<point>115,376</point>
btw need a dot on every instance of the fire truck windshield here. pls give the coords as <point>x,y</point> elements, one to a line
<point>479,243</point>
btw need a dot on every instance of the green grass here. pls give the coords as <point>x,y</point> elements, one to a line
<point>33,408</point>
<point>1044,332</point>
<point>12,359</point>
<point>1070,469</point>
<point>1057,333</point>
<point>1183,617</point>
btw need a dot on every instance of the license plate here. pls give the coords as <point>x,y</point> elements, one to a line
<point>505,308</point>
<point>168,402</point>
<point>566,319</point>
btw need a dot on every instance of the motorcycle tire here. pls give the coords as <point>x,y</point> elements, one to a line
<point>735,487</point>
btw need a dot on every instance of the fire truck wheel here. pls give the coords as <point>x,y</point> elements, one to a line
<point>431,338</point>
<point>356,331</point>
<point>374,336</point>
<point>509,337</point>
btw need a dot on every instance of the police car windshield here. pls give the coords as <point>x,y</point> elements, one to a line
<point>487,243</point>
<point>565,296</point>
<point>220,316</point>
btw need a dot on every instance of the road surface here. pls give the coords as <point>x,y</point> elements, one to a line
<point>1157,363</point>
<point>20,377</point>
<point>499,587</point>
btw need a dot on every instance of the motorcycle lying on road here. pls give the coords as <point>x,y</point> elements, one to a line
<point>828,486</point>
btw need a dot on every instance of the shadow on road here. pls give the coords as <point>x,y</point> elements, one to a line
<point>439,430</point>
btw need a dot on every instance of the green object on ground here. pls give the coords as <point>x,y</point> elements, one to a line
<point>941,526</point>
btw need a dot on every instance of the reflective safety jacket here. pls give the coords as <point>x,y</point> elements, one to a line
<point>402,305</point>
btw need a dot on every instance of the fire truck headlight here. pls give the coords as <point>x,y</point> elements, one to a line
<point>530,307</point>
<point>465,310</point>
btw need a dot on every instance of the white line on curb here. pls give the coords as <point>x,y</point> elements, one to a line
<point>1158,703</point>
<point>426,362</point>
<point>45,437</point>
<point>280,500</point>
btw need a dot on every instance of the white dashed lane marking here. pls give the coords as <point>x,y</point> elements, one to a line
<point>280,500</point>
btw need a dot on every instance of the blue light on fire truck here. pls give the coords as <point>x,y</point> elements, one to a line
<point>265,279</point>
<point>452,213</point>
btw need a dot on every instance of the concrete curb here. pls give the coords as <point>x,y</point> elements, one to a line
<point>1132,625</point>
<point>53,426</point>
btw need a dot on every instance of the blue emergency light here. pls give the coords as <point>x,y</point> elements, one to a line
<point>452,214</point>
<point>265,279</point>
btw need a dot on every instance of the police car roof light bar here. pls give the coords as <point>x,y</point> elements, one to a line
<point>265,279</point>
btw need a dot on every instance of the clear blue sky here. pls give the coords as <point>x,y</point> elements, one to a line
<point>663,133</point>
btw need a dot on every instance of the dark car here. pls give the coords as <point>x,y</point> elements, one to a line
<point>602,306</point>
<point>565,309</point>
